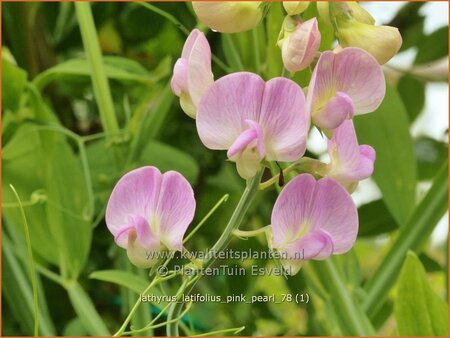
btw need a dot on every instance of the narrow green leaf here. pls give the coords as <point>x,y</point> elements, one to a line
<point>86,311</point>
<point>123,278</point>
<point>387,130</point>
<point>418,309</point>
<point>412,92</point>
<point>412,236</point>
<point>116,68</point>
<point>430,154</point>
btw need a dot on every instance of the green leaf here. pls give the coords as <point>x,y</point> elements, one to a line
<point>85,310</point>
<point>430,156</point>
<point>274,21</point>
<point>48,176</point>
<point>433,46</point>
<point>412,92</point>
<point>375,219</point>
<point>123,278</point>
<point>387,130</point>
<point>166,158</point>
<point>116,68</point>
<point>419,311</point>
<point>13,84</point>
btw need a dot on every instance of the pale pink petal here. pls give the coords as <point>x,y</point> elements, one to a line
<point>254,133</point>
<point>359,75</point>
<point>299,50</point>
<point>284,120</point>
<point>349,161</point>
<point>224,109</point>
<point>135,194</point>
<point>143,231</point>
<point>199,75</point>
<point>334,212</point>
<point>179,81</point>
<point>338,109</point>
<point>290,213</point>
<point>352,71</point>
<point>316,244</point>
<point>175,209</point>
<point>189,43</point>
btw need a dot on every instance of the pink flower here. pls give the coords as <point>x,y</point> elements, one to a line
<point>299,47</point>
<point>192,75</point>
<point>148,212</point>
<point>313,220</point>
<point>254,120</point>
<point>344,84</point>
<point>350,162</point>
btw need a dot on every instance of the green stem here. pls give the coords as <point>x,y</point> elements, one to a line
<point>234,222</point>
<point>100,83</point>
<point>166,15</point>
<point>235,61</point>
<point>412,236</point>
<point>31,263</point>
<point>353,319</point>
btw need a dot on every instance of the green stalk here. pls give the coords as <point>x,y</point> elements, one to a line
<point>100,83</point>
<point>31,263</point>
<point>234,222</point>
<point>412,236</point>
<point>353,319</point>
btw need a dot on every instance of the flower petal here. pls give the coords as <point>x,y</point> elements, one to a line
<point>290,213</point>
<point>199,75</point>
<point>352,71</point>
<point>135,194</point>
<point>143,232</point>
<point>179,82</point>
<point>175,209</point>
<point>337,110</point>
<point>316,244</point>
<point>284,120</point>
<point>359,75</point>
<point>349,161</point>
<point>226,105</point>
<point>334,212</point>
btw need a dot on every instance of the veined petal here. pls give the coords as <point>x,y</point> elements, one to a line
<point>199,75</point>
<point>316,244</point>
<point>224,109</point>
<point>338,109</point>
<point>321,213</point>
<point>254,133</point>
<point>142,229</point>
<point>334,212</point>
<point>290,215</point>
<point>359,75</point>
<point>175,209</point>
<point>179,81</point>
<point>284,120</point>
<point>349,161</point>
<point>135,194</point>
<point>352,71</point>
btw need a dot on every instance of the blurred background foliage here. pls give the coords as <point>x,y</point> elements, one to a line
<point>63,166</point>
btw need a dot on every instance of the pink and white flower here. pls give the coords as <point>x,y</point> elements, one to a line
<point>148,212</point>
<point>347,83</point>
<point>299,46</point>
<point>349,161</point>
<point>254,120</point>
<point>192,75</point>
<point>313,220</point>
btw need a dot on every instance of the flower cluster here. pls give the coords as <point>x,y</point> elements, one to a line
<point>257,122</point>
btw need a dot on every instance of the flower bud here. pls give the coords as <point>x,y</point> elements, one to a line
<point>229,17</point>
<point>295,7</point>
<point>383,42</point>
<point>299,47</point>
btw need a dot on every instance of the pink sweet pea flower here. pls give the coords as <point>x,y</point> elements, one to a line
<point>350,162</point>
<point>313,220</point>
<point>148,212</point>
<point>254,120</point>
<point>298,48</point>
<point>192,75</point>
<point>347,83</point>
